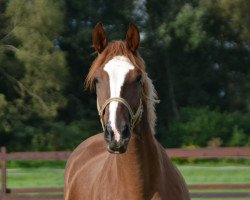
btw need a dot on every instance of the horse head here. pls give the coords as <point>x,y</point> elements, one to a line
<point>117,75</point>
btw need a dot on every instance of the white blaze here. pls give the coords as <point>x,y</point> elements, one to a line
<point>117,69</point>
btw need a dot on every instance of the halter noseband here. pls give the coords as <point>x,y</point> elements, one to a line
<point>135,118</point>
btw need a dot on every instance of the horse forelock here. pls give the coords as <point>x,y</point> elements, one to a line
<point>118,48</point>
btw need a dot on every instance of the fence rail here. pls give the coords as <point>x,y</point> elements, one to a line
<point>210,152</point>
<point>56,193</point>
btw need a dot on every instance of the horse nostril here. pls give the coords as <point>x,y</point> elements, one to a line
<point>108,132</point>
<point>126,132</point>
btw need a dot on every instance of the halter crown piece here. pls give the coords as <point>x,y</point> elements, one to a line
<point>134,118</point>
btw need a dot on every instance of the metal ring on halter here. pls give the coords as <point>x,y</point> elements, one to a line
<point>135,118</point>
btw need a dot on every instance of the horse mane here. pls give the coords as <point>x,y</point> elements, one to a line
<point>118,48</point>
<point>151,98</point>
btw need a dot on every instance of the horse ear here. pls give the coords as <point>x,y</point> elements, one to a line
<point>132,38</point>
<point>99,38</point>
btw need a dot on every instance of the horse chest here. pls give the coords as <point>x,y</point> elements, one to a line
<point>111,184</point>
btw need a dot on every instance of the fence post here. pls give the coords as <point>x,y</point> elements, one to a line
<point>4,171</point>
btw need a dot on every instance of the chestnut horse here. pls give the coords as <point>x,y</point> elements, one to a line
<point>130,164</point>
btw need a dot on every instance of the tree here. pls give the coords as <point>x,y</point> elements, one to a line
<point>33,69</point>
<point>237,13</point>
<point>199,58</point>
<point>36,26</point>
<point>196,52</point>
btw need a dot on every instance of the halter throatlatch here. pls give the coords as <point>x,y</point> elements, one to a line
<point>134,118</point>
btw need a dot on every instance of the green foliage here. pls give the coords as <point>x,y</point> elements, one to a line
<point>3,104</point>
<point>202,126</point>
<point>187,26</point>
<point>32,68</point>
<point>197,53</point>
<point>61,136</point>
<point>239,137</point>
<point>36,24</point>
<point>49,135</point>
<point>197,58</point>
<point>237,12</point>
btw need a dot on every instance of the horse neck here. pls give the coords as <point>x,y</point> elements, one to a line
<point>141,163</point>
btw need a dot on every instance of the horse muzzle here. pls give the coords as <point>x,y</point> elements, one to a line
<point>117,142</point>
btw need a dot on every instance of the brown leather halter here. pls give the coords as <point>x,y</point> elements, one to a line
<point>134,117</point>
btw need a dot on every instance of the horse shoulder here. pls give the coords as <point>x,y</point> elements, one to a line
<point>86,150</point>
<point>83,166</point>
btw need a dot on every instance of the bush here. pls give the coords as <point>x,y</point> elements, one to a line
<point>49,135</point>
<point>239,137</point>
<point>62,136</point>
<point>203,127</point>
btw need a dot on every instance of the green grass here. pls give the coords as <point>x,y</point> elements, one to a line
<point>47,175</point>
<point>216,174</point>
<point>28,174</point>
<point>35,177</point>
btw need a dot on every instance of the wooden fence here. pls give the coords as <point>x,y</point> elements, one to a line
<point>21,193</point>
<point>57,193</point>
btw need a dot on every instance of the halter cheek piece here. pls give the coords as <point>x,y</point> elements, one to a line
<point>134,118</point>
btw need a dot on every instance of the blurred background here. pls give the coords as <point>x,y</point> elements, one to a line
<point>196,51</point>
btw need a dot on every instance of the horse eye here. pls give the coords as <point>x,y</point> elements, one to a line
<point>95,80</point>
<point>139,79</point>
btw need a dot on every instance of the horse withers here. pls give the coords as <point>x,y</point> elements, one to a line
<point>125,162</point>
